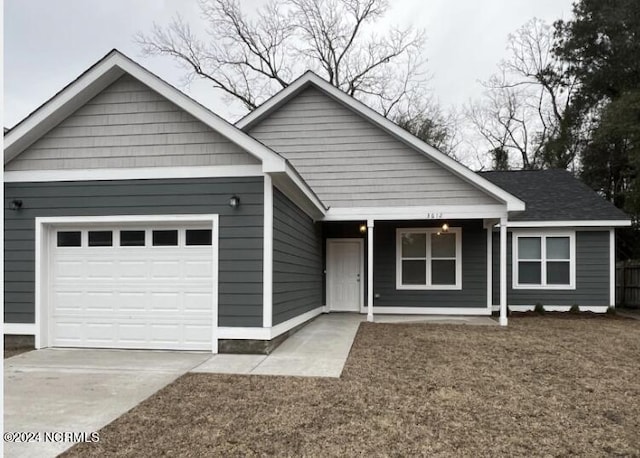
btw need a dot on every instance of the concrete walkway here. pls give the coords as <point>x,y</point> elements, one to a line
<point>320,349</point>
<point>81,390</point>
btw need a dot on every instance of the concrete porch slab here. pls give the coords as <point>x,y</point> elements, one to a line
<point>230,364</point>
<point>437,319</point>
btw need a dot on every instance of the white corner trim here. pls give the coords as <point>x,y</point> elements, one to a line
<point>241,333</point>
<point>215,277</point>
<point>513,203</point>
<point>370,254</point>
<point>103,73</point>
<point>136,173</point>
<point>433,310</point>
<point>433,212</point>
<point>267,255</point>
<point>571,223</point>
<point>542,234</point>
<point>612,267</point>
<point>19,329</point>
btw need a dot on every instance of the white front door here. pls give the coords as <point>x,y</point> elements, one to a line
<point>344,275</point>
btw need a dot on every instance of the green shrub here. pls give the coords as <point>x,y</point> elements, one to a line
<point>575,308</point>
<point>539,308</point>
<point>611,310</point>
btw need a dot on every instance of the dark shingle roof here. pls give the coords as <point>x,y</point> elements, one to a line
<point>554,195</point>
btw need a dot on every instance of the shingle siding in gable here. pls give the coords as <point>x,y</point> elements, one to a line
<point>297,260</point>
<point>129,125</point>
<point>592,275</point>
<point>349,162</point>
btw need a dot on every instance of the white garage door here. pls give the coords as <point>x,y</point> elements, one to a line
<point>146,287</point>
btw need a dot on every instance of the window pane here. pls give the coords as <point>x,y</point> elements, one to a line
<point>443,245</point>
<point>198,237</point>
<point>414,272</point>
<point>69,238</point>
<point>529,273</point>
<point>529,248</point>
<point>557,247</point>
<point>165,238</point>
<point>414,245</point>
<point>443,272</point>
<point>558,273</point>
<point>131,238</point>
<point>100,238</point>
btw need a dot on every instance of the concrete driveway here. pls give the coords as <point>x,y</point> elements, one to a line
<point>79,391</point>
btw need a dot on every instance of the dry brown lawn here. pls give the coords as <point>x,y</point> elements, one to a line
<point>542,386</point>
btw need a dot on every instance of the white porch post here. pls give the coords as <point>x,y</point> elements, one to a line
<point>503,271</point>
<point>489,228</point>
<point>370,270</point>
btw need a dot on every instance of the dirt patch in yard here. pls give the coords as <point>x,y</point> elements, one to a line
<point>15,345</point>
<point>539,387</point>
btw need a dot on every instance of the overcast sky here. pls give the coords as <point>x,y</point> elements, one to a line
<point>48,43</point>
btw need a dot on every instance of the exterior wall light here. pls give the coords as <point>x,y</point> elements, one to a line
<point>16,204</point>
<point>444,229</point>
<point>234,202</point>
<point>363,228</point>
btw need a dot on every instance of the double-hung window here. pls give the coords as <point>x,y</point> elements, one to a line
<point>428,258</point>
<point>544,260</point>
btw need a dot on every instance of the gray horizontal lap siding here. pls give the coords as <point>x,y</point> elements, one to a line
<point>297,260</point>
<point>474,269</point>
<point>129,125</point>
<point>592,275</point>
<point>240,245</point>
<point>350,162</point>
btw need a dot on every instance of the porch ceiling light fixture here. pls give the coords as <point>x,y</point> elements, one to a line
<point>16,204</point>
<point>363,228</point>
<point>234,201</point>
<point>444,229</point>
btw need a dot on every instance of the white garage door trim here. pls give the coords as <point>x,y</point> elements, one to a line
<point>44,226</point>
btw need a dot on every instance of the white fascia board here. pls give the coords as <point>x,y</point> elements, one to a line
<point>295,177</point>
<point>513,203</point>
<point>135,173</point>
<point>61,105</point>
<point>570,223</point>
<point>435,212</point>
<point>99,77</point>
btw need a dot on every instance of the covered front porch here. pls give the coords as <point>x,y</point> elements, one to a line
<point>414,265</point>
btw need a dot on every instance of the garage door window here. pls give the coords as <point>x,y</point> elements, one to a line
<point>69,238</point>
<point>132,238</point>
<point>100,238</point>
<point>165,238</point>
<point>198,237</point>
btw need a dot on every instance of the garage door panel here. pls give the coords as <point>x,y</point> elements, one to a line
<point>151,297</point>
<point>70,269</point>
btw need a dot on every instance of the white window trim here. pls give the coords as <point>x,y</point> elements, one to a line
<point>543,274</point>
<point>428,230</point>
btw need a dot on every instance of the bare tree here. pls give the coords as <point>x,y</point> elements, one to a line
<point>525,103</point>
<point>251,59</point>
